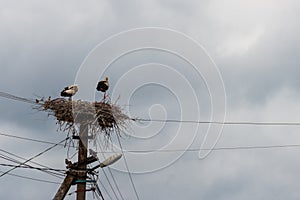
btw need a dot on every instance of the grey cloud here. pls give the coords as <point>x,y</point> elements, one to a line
<point>43,45</point>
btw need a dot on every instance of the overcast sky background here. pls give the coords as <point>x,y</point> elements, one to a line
<point>255,45</point>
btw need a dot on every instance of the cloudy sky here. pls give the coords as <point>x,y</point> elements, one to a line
<point>253,44</point>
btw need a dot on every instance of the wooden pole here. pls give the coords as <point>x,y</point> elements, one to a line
<point>78,169</point>
<point>82,161</point>
<point>71,177</point>
<point>64,188</point>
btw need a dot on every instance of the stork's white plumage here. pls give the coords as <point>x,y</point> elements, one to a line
<point>103,86</point>
<point>69,91</point>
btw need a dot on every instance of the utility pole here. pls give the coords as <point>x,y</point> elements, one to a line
<point>82,161</point>
<point>71,178</point>
<point>65,186</point>
<point>77,173</point>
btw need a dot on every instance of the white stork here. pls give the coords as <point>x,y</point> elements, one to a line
<point>103,86</point>
<point>69,91</point>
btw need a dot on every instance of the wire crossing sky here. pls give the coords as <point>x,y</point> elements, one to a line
<point>26,100</point>
<point>220,123</point>
<point>37,155</point>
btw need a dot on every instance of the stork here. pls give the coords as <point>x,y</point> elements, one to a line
<point>103,86</point>
<point>69,91</point>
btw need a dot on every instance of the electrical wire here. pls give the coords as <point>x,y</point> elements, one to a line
<point>115,183</point>
<point>212,149</point>
<point>105,190</point>
<point>48,171</point>
<point>99,191</point>
<point>13,97</point>
<point>12,154</point>
<point>110,184</point>
<point>219,123</point>
<point>58,175</point>
<point>28,139</point>
<point>159,150</point>
<point>31,101</point>
<point>37,155</point>
<point>31,167</point>
<point>16,98</point>
<point>96,192</point>
<point>173,150</point>
<point>29,178</point>
<point>126,164</point>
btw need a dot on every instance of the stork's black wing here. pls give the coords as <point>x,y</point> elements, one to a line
<point>102,86</point>
<point>65,94</point>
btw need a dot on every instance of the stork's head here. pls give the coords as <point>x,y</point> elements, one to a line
<point>106,78</point>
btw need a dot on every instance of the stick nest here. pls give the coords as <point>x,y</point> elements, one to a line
<point>101,117</point>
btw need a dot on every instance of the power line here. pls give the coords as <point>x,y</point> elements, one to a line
<point>208,149</point>
<point>110,184</point>
<point>156,150</point>
<point>126,164</point>
<point>27,100</point>
<point>105,190</point>
<point>37,155</point>
<point>16,98</point>
<point>31,167</point>
<point>48,171</point>
<point>116,184</point>
<point>28,139</point>
<point>219,123</point>
<point>29,178</point>
<point>58,175</point>
<point>99,192</point>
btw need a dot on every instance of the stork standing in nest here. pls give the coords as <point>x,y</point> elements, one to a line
<point>69,91</point>
<point>103,86</point>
